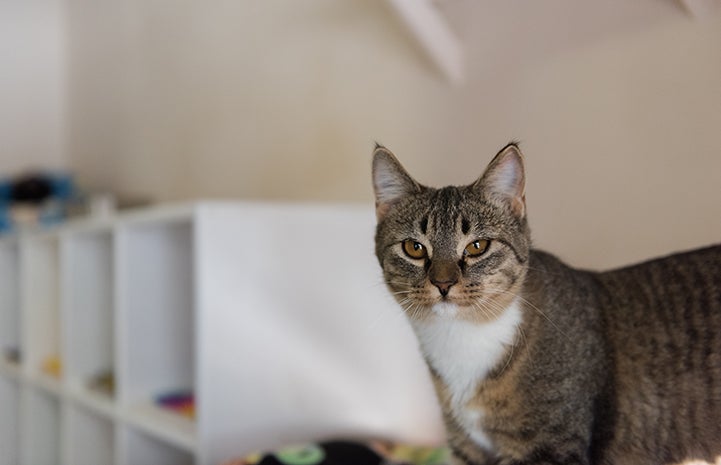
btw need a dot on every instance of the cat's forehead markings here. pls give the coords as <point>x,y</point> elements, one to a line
<point>424,224</point>
<point>465,225</point>
<point>447,211</point>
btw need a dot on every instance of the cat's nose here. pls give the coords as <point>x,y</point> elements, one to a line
<point>443,275</point>
<point>444,286</point>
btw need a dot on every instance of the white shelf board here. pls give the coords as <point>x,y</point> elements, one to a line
<point>169,213</point>
<point>163,424</point>
<point>96,401</point>
<point>10,369</point>
<point>47,383</point>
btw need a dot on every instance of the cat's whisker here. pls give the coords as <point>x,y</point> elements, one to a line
<point>530,304</point>
<point>487,310</point>
<point>413,310</point>
<point>510,357</point>
<point>403,295</point>
<point>522,333</point>
<point>496,309</point>
<point>399,283</point>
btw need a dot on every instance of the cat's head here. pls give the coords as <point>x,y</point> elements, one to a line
<point>459,251</point>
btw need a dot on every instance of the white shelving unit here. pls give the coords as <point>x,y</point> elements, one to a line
<point>93,298</point>
<point>191,298</point>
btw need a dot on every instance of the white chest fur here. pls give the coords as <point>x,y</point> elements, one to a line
<point>462,353</point>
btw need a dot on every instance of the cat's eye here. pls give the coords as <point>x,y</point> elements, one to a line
<point>476,248</point>
<point>414,249</point>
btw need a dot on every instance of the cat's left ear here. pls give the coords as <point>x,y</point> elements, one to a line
<point>391,182</point>
<point>505,180</point>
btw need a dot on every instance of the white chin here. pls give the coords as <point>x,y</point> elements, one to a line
<point>445,309</point>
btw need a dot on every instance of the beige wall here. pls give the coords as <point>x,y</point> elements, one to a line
<point>283,100</point>
<point>32,85</point>
<point>629,165</point>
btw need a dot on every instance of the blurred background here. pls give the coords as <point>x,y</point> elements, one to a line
<point>104,103</point>
<point>617,105</point>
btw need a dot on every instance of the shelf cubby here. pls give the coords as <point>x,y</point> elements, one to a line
<point>9,302</point>
<point>9,421</point>
<point>40,428</point>
<point>40,297</point>
<point>88,302</point>
<point>90,438</point>
<point>142,448</point>
<point>156,307</point>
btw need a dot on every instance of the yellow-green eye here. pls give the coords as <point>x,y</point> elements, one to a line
<point>476,248</point>
<point>414,249</point>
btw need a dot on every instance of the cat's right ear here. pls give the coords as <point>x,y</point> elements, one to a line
<point>505,179</point>
<point>391,182</point>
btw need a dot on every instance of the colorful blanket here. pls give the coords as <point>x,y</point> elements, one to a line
<point>349,453</point>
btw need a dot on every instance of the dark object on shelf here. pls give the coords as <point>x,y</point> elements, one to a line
<point>33,189</point>
<point>103,382</point>
<point>37,198</point>
<point>12,354</point>
<point>350,453</point>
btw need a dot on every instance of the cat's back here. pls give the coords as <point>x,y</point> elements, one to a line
<point>668,308</point>
<point>687,281</point>
<point>661,319</point>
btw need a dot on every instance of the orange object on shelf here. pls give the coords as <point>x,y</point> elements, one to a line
<point>181,402</point>
<point>53,366</point>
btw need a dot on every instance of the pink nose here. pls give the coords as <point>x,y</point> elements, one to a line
<point>444,286</point>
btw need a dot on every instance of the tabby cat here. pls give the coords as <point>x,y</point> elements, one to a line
<point>535,362</point>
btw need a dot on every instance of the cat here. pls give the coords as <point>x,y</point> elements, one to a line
<point>533,361</point>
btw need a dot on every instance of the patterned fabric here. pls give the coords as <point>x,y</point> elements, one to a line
<point>350,453</point>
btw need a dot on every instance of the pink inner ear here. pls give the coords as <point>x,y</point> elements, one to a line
<point>518,206</point>
<point>508,178</point>
<point>381,210</point>
<point>390,182</point>
<point>388,187</point>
